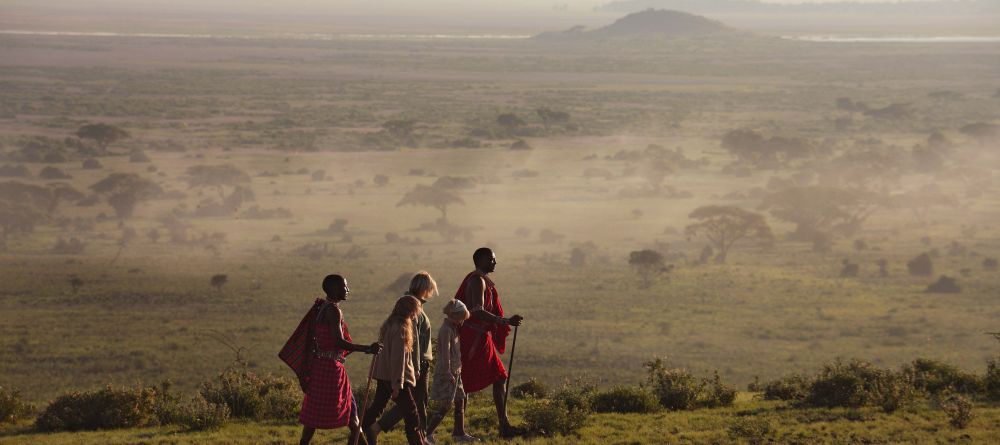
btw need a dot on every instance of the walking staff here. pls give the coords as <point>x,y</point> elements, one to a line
<point>484,336</point>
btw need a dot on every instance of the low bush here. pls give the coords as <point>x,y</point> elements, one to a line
<point>564,413</point>
<point>12,407</point>
<point>936,377</point>
<point>624,399</point>
<point>921,265</point>
<point>751,430</point>
<point>789,388</point>
<point>531,388</point>
<point>958,408</point>
<point>944,285</point>
<point>201,415</point>
<point>893,391</point>
<point>991,382</point>
<point>716,393</point>
<point>107,408</point>
<point>857,384</point>
<point>249,396</point>
<point>840,385</point>
<point>678,389</point>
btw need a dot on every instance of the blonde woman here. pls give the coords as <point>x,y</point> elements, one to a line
<point>423,288</point>
<point>394,374</point>
<point>447,389</point>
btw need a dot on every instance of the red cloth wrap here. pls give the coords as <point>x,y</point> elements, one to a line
<point>328,395</point>
<point>480,342</point>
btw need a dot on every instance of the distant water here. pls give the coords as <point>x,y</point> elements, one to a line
<point>289,36</point>
<point>897,39</point>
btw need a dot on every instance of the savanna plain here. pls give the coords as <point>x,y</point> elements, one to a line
<point>847,197</point>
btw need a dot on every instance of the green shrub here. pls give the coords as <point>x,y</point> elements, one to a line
<point>201,415</point>
<point>624,399</point>
<point>849,385</point>
<point>752,430</point>
<point>893,391</point>
<point>792,388</point>
<point>958,408</point>
<point>716,393</point>
<point>991,382</point>
<point>107,408</point>
<point>936,377</point>
<point>565,413</point>
<point>167,406</point>
<point>12,407</point>
<point>676,389</point>
<point>282,400</point>
<point>249,396</point>
<point>531,388</point>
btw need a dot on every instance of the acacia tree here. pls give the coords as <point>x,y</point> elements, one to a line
<point>23,206</point>
<point>723,226</point>
<point>18,218</point>
<point>648,264</point>
<point>428,196</point>
<point>822,211</point>
<point>550,116</point>
<point>102,134</point>
<point>123,191</point>
<point>217,176</point>
<point>754,148</point>
<point>921,201</point>
<point>510,122</point>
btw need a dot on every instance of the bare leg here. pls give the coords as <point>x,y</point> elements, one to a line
<point>307,435</point>
<point>499,390</point>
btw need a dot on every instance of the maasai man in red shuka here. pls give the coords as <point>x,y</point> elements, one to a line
<point>329,402</point>
<point>484,336</point>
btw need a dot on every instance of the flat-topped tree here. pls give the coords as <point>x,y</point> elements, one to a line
<point>102,134</point>
<point>648,264</point>
<point>428,196</point>
<point>123,191</point>
<point>550,116</point>
<point>723,226</point>
<point>18,218</point>
<point>217,176</point>
<point>819,210</point>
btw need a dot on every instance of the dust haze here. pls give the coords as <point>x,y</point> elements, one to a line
<point>756,190</point>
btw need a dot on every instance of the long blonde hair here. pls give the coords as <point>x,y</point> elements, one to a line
<point>402,315</point>
<point>421,284</point>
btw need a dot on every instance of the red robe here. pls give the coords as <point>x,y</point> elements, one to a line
<point>480,342</point>
<point>328,399</point>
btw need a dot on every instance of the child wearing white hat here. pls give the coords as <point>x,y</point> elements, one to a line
<point>447,389</point>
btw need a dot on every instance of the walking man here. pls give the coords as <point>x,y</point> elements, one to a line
<point>484,336</point>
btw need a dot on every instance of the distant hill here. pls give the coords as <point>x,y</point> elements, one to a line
<point>752,6</point>
<point>649,23</point>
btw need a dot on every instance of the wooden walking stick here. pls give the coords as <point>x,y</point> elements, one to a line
<point>364,405</point>
<point>510,370</point>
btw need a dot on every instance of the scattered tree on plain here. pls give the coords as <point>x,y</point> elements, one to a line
<point>550,116</point>
<point>428,196</point>
<point>648,264</point>
<point>819,210</point>
<point>124,191</point>
<point>219,280</point>
<point>102,134</point>
<point>216,176</point>
<point>723,226</point>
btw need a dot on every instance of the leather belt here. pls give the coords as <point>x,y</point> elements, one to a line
<point>329,354</point>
